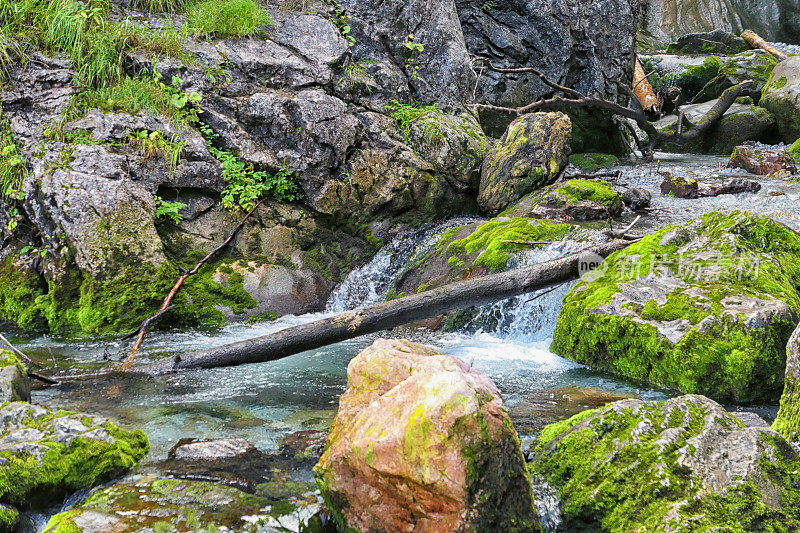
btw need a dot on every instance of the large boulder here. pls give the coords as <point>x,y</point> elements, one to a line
<point>575,199</point>
<point>48,453</point>
<point>764,160</point>
<point>531,154</point>
<point>782,97</point>
<point>14,383</point>
<point>680,465</point>
<point>422,442</point>
<point>705,308</point>
<point>787,423</point>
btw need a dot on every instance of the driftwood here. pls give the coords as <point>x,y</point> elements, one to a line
<point>644,91</point>
<point>167,306</point>
<point>386,315</point>
<point>754,40</point>
<point>570,98</point>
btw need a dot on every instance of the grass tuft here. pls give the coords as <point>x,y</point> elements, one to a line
<point>228,18</point>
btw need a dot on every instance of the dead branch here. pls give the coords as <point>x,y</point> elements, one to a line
<point>644,91</point>
<point>754,40</point>
<point>166,306</point>
<point>25,359</point>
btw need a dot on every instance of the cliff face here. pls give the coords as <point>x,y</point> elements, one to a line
<point>775,20</point>
<point>328,111</point>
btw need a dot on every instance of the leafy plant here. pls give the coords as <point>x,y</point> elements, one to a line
<point>153,142</point>
<point>228,18</point>
<point>33,250</point>
<point>423,117</point>
<point>12,166</point>
<point>415,48</point>
<point>342,21</point>
<point>168,209</point>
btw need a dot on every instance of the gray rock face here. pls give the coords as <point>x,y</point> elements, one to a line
<point>782,97</point>
<point>636,199</point>
<point>675,466</point>
<point>776,20</point>
<point>439,73</point>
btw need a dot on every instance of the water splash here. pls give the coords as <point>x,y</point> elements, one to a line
<point>370,284</point>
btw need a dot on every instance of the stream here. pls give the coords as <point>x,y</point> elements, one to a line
<point>509,341</point>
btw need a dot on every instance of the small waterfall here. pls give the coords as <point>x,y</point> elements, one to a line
<point>370,284</point>
<point>531,317</point>
<point>547,503</point>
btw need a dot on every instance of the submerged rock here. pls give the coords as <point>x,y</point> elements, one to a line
<point>14,383</point>
<point>706,308</point>
<point>531,154</point>
<point>47,453</point>
<point>423,442</point>
<point>182,505</point>
<point>683,187</point>
<point>681,465</point>
<point>763,160</point>
<point>782,97</point>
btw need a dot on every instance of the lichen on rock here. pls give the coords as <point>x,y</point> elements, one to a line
<point>423,441</point>
<point>706,308</point>
<point>531,154</point>
<point>681,465</point>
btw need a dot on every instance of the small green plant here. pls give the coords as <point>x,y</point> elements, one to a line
<point>228,18</point>
<point>423,117</point>
<point>35,251</point>
<point>342,21</point>
<point>157,6</point>
<point>168,209</point>
<point>154,142</point>
<point>12,173</point>
<point>411,66</point>
<point>356,74</point>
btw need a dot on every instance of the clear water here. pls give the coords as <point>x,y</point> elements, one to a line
<point>264,402</point>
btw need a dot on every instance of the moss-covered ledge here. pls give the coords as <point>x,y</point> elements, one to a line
<point>704,309</point>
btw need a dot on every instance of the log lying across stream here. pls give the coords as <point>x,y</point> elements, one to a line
<point>386,315</point>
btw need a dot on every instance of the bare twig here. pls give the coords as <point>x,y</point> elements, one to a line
<point>545,293</point>
<point>43,379</point>
<point>622,234</point>
<point>166,306</point>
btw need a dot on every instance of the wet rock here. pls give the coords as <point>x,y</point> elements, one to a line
<point>422,441</point>
<point>47,453</point>
<point>683,187</point>
<point>753,65</point>
<point>577,199</point>
<point>679,186</point>
<point>14,383</point>
<point>531,154</point>
<point>715,42</point>
<point>750,419</point>
<point>306,445</point>
<point>782,97</point>
<point>680,465</point>
<point>181,505</point>
<point>210,450</point>
<point>698,308</point>
<point>763,160</point>
<point>636,199</point>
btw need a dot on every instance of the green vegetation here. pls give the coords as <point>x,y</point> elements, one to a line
<point>153,142</point>
<point>588,190</point>
<point>624,470</point>
<point>423,117</point>
<point>12,172</point>
<point>168,209</point>
<point>228,18</point>
<point>593,161</point>
<point>794,151</point>
<point>498,239</point>
<point>724,358</point>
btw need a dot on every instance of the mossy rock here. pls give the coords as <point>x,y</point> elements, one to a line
<point>715,42</point>
<point>781,96</point>
<point>47,453</point>
<point>593,161</point>
<point>531,154</point>
<point>162,505</point>
<point>14,383</point>
<point>681,465</point>
<point>704,309</point>
<point>576,199</point>
<point>752,65</point>
<point>794,151</point>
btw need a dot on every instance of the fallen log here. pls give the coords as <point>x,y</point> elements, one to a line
<point>386,315</point>
<point>756,41</point>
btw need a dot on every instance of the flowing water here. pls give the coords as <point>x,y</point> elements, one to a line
<point>264,402</point>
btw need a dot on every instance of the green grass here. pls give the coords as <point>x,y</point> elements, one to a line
<point>228,18</point>
<point>157,6</point>
<point>424,117</point>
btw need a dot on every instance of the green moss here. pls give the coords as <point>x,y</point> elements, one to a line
<point>84,463</point>
<point>8,518</point>
<point>780,83</point>
<point>794,151</point>
<point>492,239</point>
<point>593,161</point>
<point>588,190</point>
<point>614,474</point>
<point>692,80</point>
<point>722,359</point>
